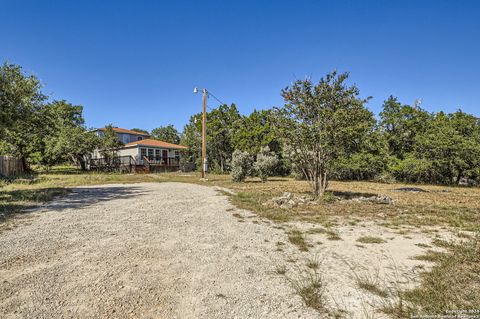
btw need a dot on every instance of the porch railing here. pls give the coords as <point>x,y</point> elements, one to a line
<point>114,164</point>
<point>160,161</point>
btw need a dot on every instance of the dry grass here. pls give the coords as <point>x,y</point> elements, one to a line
<point>440,205</point>
<point>313,263</point>
<point>370,240</point>
<point>311,288</point>
<point>452,283</point>
<point>296,237</point>
<point>281,270</point>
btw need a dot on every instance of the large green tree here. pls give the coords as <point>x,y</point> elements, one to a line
<point>400,124</point>
<point>192,139</point>
<point>68,139</point>
<point>451,145</point>
<point>167,134</point>
<point>109,144</point>
<point>254,132</point>
<point>22,120</point>
<point>220,129</point>
<point>321,122</point>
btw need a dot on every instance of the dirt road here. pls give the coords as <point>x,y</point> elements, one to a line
<point>166,250</point>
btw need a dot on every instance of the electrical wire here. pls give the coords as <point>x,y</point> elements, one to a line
<point>210,93</point>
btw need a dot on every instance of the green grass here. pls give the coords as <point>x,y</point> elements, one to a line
<point>17,201</point>
<point>296,237</point>
<point>370,240</point>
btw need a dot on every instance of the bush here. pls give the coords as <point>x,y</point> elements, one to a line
<point>359,166</point>
<point>266,163</point>
<point>414,170</point>
<point>241,165</point>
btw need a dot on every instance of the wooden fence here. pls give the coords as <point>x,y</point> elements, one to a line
<point>10,166</point>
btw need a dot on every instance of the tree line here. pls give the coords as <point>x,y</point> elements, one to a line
<point>46,133</point>
<point>323,131</point>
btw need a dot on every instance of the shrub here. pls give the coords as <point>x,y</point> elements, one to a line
<point>241,165</point>
<point>359,166</point>
<point>414,170</point>
<point>266,163</point>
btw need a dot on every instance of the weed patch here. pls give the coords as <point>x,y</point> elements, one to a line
<point>370,240</point>
<point>296,237</point>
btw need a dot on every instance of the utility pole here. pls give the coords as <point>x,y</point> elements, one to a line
<point>204,133</point>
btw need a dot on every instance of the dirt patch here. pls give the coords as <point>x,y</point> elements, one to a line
<point>165,250</point>
<point>176,250</point>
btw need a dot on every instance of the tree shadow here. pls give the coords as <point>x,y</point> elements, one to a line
<point>83,197</point>
<point>351,195</point>
<point>58,199</point>
<point>270,179</point>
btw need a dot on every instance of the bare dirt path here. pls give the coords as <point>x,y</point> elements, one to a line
<point>166,250</point>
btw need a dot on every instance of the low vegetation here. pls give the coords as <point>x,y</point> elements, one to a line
<point>452,283</point>
<point>297,238</point>
<point>370,240</point>
<point>310,287</point>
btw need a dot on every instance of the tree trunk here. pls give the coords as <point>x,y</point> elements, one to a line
<point>25,166</point>
<point>83,164</point>
<point>323,180</point>
<point>316,185</point>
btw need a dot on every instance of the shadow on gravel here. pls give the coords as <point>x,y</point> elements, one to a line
<point>84,197</point>
<point>58,199</point>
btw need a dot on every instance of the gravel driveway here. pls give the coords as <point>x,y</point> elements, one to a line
<point>153,250</point>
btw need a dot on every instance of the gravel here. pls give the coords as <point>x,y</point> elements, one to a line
<point>152,250</point>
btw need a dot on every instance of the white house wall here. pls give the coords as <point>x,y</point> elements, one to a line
<point>132,151</point>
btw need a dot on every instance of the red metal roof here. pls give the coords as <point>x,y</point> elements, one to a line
<point>155,143</point>
<point>123,130</point>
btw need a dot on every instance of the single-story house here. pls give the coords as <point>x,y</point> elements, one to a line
<point>140,149</point>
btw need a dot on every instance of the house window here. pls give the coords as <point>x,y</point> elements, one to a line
<point>139,138</point>
<point>150,154</point>
<point>143,152</point>
<point>157,155</point>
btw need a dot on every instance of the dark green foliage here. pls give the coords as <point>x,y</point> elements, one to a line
<point>446,149</point>
<point>255,131</point>
<point>401,124</point>
<point>22,124</point>
<point>109,144</point>
<point>167,134</point>
<point>39,132</point>
<point>68,140</point>
<point>358,166</point>
<point>220,128</point>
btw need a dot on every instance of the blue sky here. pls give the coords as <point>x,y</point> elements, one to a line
<point>135,63</point>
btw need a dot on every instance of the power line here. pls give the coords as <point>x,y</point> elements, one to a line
<point>210,94</point>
